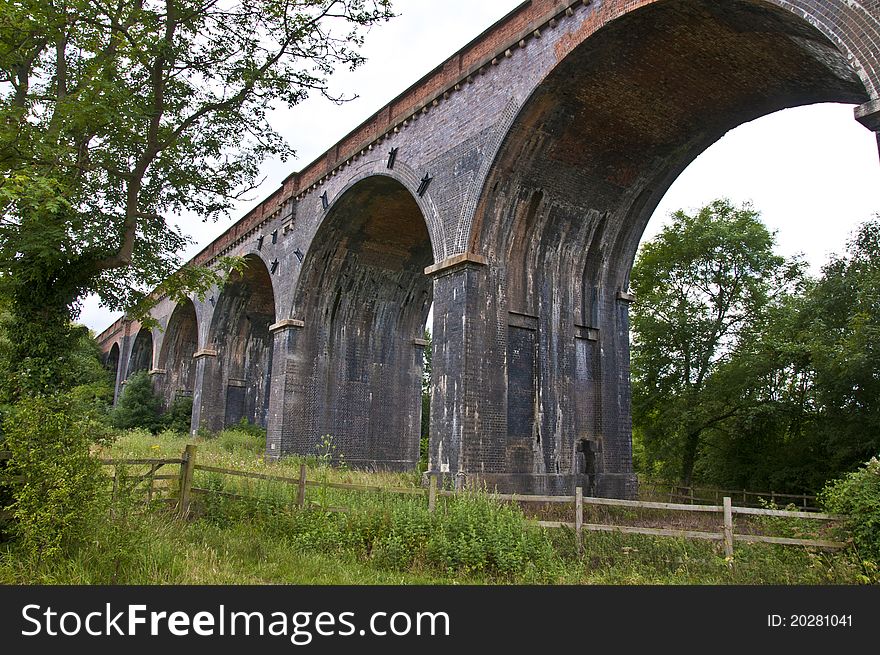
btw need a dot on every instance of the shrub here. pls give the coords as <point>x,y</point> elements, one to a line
<point>478,534</point>
<point>178,418</point>
<point>474,535</point>
<point>55,507</point>
<point>857,496</point>
<point>250,428</point>
<point>139,406</point>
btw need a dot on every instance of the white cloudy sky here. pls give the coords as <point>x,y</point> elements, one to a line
<point>813,172</point>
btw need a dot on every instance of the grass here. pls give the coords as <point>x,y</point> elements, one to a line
<point>383,539</point>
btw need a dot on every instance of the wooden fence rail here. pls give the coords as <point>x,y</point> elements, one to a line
<point>694,495</point>
<point>189,466</point>
<point>726,535</point>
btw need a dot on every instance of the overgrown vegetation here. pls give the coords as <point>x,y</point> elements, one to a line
<point>857,496</point>
<point>138,405</point>
<point>746,372</point>
<point>382,539</point>
<point>54,510</point>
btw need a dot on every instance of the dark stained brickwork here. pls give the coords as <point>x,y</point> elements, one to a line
<point>548,141</point>
<point>176,361</point>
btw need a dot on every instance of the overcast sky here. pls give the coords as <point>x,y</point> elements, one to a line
<point>813,172</point>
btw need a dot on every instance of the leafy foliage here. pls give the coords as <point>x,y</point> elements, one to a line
<point>857,496</point>
<point>114,116</point>
<point>786,403</point>
<point>840,326</point>
<point>178,418</point>
<point>138,406</point>
<point>50,439</point>
<point>704,286</point>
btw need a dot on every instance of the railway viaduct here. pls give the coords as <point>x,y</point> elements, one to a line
<point>509,187</point>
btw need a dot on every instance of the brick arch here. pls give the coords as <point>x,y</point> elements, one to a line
<point>611,34</point>
<point>847,24</point>
<point>363,299</point>
<point>408,179</point>
<point>111,362</point>
<point>238,374</point>
<point>141,357</point>
<point>639,90</point>
<point>179,344</point>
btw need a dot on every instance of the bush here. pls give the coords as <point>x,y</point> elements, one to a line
<point>139,406</point>
<point>249,428</point>
<point>54,509</point>
<point>178,418</point>
<point>478,534</point>
<point>473,535</point>
<point>857,496</point>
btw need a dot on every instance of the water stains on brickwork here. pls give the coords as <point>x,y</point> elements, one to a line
<point>176,356</point>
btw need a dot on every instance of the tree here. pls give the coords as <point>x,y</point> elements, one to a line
<point>114,115</point>
<point>704,287</point>
<point>770,443</point>
<point>815,381</point>
<point>840,325</point>
<point>139,406</point>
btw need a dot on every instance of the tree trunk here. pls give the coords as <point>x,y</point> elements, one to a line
<point>689,457</point>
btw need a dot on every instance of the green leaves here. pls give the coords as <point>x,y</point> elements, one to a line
<point>115,116</point>
<point>857,496</point>
<point>139,406</point>
<point>703,285</point>
<point>55,507</point>
<point>745,373</point>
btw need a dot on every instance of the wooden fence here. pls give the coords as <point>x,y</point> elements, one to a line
<point>186,489</point>
<point>654,489</point>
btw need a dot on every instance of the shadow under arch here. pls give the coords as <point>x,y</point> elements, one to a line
<point>176,354</point>
<point>586,161</point>
<point>111,363</point>
<point>355,368</point>
<point>141,358</point>
<point>236,382</point>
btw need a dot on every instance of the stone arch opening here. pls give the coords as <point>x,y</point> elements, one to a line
<point>579,174</point>
<point>141,358</point>
<point>111,363</point>
<point>237,379</point>
<point>363,298</point>
<point>176,355</point>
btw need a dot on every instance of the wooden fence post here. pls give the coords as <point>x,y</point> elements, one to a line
<point>186,480</point>
<point>728,527</point>
<point>432,493</point>
<point>301,489</point>
<point>579,518</point>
